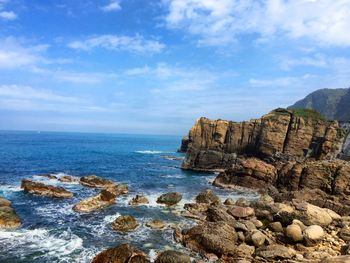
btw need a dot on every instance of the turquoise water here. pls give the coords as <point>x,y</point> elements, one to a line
<point>52,231</point>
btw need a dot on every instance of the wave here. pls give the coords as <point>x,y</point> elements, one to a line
<point>110,218</point>
<point>150,152</point>
<point>10,188</point>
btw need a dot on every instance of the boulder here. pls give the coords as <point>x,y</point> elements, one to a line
<point>208,197</point>
<point>68,179</point>
<point>102,200</point>
<point>244,251</point>
<point>139,200</point>
<point>313,234</point>
<point>170,199</point>
<point>125,223</point>
<point>45,190</point>
<point>313,215</point>
<point>275,252</point>
<point>229,201</point>
<point>119,189</point>
<point>8,216</point>
<point>121,254</point>
<point>294,233</point>
<point>171,256</point>
<point>276,227</point>
<point>95,181</point>
<point>211,237</point>
<point>241,212</point>
<point>216,214</point>
<point>156,224</point>
<point>256,238</point>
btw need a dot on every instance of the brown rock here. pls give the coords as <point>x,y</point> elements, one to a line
<point>275,252</point>
<point>339,259</point>
<point>241,212</point>
<point>171,256</point>
<point>208,197</point>
<point>67,179</point>
<point>294,233</point>
<point>121,254</point>
<point>8,216</point>
<point>169,199</point>
<point>139,200</point>
<point>95,181</point>
<point>125,223</point>
<point>156,224</point>
<point>102,200</point>
<point>45,190</point>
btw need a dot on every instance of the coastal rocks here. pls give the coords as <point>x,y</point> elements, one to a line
<point>171,256</point>
<point>118,189</point>
<point>45,190</point>
<point>241,212</point>
<point>121,254</point>
<point>103,199</point>
<point>68,179</point>
<point>170,199</point>
<point>294,233</point>
<point>139,200</point>
<point>8,216</point>
<point>156,224</point>
<point>218,238</point>
<point>172,158</point>
<point>125,223</point>
<point>95,181</point>
<point>313,234</point>
<point>212,144</point>
<point>275,252</point>
<point>208,197</point>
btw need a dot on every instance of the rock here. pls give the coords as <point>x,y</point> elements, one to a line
<point>45,190</point>
<point>139,200</point>
<point>8,216</point>
<point>313,234</point>
<point>275,252</point>
<point>276,227</point>
<point>117,190</point>
<point>294,233</point>
<point>121,254</point>
<point>242,202</point>
<point>299,223</point>
<point>344,233</point>
<point>215,214</point>
<point>244,251</point>
<point>95,181</point>
<point>67,179</point>
<point>229,201</point>
<point>171,256</point>
<point>170,199</point>
<point>313,215</point>
<point>125,223</point>
<point>339,259</point>
<point>208,197</point>
<point>211,237</point>
<point>256,238</point>
<point>102,200</point>
<point>156,224</point>
<point>172,158</point>
<point>241,212</point>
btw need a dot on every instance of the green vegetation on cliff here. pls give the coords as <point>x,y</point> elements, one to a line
<point>334,104</point>
<point>303,113</point>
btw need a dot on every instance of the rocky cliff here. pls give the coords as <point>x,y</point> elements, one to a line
<point>286,134</point>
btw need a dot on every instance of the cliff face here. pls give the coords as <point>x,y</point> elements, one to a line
<point>215,144</point>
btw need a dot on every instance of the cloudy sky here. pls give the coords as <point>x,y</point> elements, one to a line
<point>146,66</point>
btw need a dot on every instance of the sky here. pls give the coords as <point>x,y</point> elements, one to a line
<point>154,67</point>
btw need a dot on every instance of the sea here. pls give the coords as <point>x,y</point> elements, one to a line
<point>52,232</point>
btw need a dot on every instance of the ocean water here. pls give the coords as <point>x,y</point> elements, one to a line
<point>53,232</point>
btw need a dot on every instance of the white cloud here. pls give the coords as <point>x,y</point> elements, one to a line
<point>219,22</point>
<point>8,15</point>
<point>123,43</point>
<point>317,60</point>
<point>280,82</point>
<point>113,5</point>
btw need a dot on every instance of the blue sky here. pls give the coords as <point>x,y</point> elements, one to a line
<point>144,66</point>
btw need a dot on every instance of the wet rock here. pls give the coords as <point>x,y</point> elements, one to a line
<point>125,223</point>
<point>294,233</point>
<point>139,200</point>
<point>171,256</point>
<point>156,224</point>
<point>208,197</point>
<point>102,200</point>
<point>45,190</point>
<point>8,216</point>
<point>211,237</point>
<point>121,254</point>
<point>67,179</point>
<point>275,252</point>
<point>118,189</point>
<point>313,234</point>
<point>95,181</point>
<point>276,227</point>
<point>241,212</point>
<point>170,199</point>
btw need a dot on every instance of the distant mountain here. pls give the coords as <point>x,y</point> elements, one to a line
<point>332,103</point>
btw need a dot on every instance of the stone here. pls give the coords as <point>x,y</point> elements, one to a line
<point>95,181</point>
<point>67,179</point>
<point>156,224</point>
<point>215,214</point>
<point>170,199</point>
<point>275,252</point>
<point>118,189</point>
<point>125,223</point>
<point>211,237</point>
<point>241,212</point>
<point>313,234</point>
<point>344,233</point>
<point>229,201</point>
<point>171,256</point>
<point>208,197</point>
<point>276,227</point>
<point>244,251</point>
<point>45,190</point>
<point>139,200</point>
<point>8,216</point>
<point>121,254</point>
<point>256,238</point>
<point>338,259</point>
<point>299,223</point>
<point>294,233</point>
<point>313,215</point>
<point>242,202</point>
<point>102,200</point>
